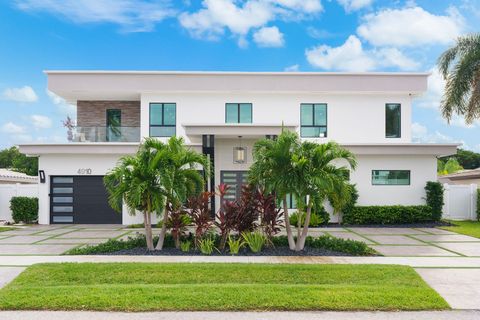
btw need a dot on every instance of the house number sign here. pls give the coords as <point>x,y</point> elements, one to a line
<point>84,171</point>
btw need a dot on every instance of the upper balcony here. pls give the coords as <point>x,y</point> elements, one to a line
<point>105,134</point>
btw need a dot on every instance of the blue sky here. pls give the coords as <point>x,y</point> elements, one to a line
<point>248,35</point>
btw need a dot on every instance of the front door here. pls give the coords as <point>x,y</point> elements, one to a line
<point>114,124</point>
<point>235,180</point>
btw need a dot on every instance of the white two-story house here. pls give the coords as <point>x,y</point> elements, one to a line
<point>222,114</point>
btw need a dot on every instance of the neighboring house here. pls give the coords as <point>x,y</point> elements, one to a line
<point>222,114</point>
<point>462,177</point>
<point>12,177</point>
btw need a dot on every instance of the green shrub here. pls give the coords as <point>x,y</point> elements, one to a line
<point>355,248</point>
<point>434,191</point>
<point>254,240</point>
<point>24,209</point>
<point>478,204</point>
<point>348,207</point>
<point>315,219</point>
<point>206,245</point>
<point>388,215</point>
<point>185,245</point>
<point>234,245</point>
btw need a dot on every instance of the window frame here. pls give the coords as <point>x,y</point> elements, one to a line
<point>396,170</point>
<point>399,120</point>
<point>163,125</point>
<point>313,119</point>
<point>238,111</point>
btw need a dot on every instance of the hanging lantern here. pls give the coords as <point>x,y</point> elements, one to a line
<point>239,153</point>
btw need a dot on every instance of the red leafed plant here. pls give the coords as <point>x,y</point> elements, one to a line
<point>247,210</point>
<point>271,217</point>
<point>200,214</point>
<point>178,222</point>
<point>226,217</point>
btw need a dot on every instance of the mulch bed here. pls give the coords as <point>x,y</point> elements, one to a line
<point>277,251</point>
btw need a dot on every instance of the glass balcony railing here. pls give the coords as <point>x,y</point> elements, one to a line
<point>105,134</point>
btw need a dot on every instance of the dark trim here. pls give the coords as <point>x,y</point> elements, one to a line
<point>377,184</point>
<point>238,111</point>
<point>399,120</point>
<point>163,125</point>
<point>313,119</point>
<point>208,149</point>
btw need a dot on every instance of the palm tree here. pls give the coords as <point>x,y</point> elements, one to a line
<point>305,169</point>
<point>321,178</point>
<point>460,67</point>
<point>273,170</point>
<point>178,171</point>
<point>135,183</point>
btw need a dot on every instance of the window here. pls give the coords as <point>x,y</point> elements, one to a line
<point>238,113</point>
<point>113,125</point>
<point>391,177</point>
<point>313,120</point>
<point>162,119</point>
<point>393,120</point>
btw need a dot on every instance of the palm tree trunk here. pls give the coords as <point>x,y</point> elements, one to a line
<point>163,232</point>
<point>291,241</point>
<point>301,239</point>
<point>148,229</point>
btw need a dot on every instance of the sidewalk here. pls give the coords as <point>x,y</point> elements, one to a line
<point>79,315</point>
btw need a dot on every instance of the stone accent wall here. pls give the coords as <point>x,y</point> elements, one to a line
<point>94,113</point>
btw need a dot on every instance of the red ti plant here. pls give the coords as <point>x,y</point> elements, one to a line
<point>226,216</point>
<point>200,214</point>
<point>247,214</point>
<point>271,219</point>
<point>178,222</point>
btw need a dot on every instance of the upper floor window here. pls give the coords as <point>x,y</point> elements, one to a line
<point>393,120</point>
<point>238,113</point>
<point>313,120</point>
<point>162,119</point>
<point>391,177</point>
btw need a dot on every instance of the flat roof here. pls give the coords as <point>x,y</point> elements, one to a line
<point>74,85</point>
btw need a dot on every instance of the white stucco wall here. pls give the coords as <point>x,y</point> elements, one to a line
<point>351,118</point>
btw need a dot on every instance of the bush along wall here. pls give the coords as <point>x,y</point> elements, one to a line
<point>434,191</point>
<point>478,204</point>
<point>387,215</point>
<point>24,209</point>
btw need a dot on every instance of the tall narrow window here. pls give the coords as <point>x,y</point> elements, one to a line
<point>238,113</point>
<point>114,125</point>
<point>393,122</point>
<point>162,119</point>
<point>313,120</point>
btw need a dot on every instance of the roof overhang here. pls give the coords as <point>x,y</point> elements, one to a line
<point>438,150</point>
<point>79,148</point>
<point>129,85</point>
<point>235,130</point>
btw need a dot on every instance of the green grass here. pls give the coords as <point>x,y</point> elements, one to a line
<point>469,228</point>
<point>210,286</point>
<point>6,229</point>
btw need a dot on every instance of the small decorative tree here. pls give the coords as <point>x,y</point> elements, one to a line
<point>69,124</point>
<point>434,199</point>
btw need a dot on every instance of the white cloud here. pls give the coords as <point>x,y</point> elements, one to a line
<point>239,18</point>
<point>64,107</point>
<point>292,68</point>
<point>12,128</point>
<point>420,134</point>
<point>433,96</point>
<point>410,27</point>
<point>23,94</point>
<point>351,56</point>
<point>131,15</point>
<point>22,138</point>
<point>268,37</point>
<point>41,122</point>
<point>352,5</point>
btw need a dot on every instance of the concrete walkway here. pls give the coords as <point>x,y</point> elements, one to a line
<point>49,315</point>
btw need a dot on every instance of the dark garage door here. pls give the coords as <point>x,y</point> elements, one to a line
<point>81,199</point>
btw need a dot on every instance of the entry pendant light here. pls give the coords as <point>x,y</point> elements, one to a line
<point>239,153</point>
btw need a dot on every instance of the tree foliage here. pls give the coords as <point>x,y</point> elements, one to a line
<point>466,158</point>
<point>11,158</point>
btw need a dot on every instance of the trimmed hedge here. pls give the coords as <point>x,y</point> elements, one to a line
<point>478,204</point>
<point>388,215</point>
<point>434,199</point>
<point>24,209</point>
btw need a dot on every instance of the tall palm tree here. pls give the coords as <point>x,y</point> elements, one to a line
<point>460,67</point>
<point>135,183</point>
<point>273,170</point>
<point>178,171</point>
<point>320,178</point>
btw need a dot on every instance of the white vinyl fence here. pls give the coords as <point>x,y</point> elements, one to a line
<point>7,191</point>
<point>460,202</point>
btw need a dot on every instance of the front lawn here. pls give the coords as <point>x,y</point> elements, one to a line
<point>2,229</point>
<point>469,228</point>
<point>147,287</point>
